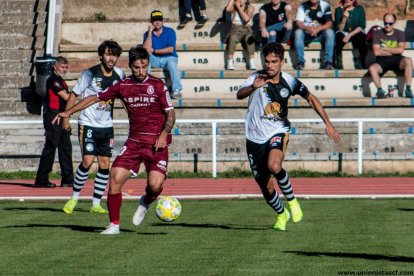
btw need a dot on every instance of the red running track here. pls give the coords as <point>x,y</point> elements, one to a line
<point>219,188</point>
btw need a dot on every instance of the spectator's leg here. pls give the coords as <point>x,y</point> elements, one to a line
<point>300,46</point>
<point>375,70</point>
<point>187,8</point>
<point>339,45</point>
<point>273,29</point>
<point>359,42</point>
<point>248,40</point>
<point>154,63</point>
<point>329,41</point>
<point>231,48</point>
<point>406,64</point>
<point>171,64</point>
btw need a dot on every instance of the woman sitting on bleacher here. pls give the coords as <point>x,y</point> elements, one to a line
<point>241,31</point>
<point>349,25</point>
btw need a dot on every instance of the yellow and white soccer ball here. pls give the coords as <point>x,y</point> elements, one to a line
<point>168,208</point>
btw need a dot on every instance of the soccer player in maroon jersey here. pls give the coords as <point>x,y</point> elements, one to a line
<point>151,117</point>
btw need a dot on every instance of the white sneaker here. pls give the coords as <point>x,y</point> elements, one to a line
<point>252,66</point>
<point>176,94</point>
<point>112,229</point>
<point>230,64</point>
<point>140,212</point>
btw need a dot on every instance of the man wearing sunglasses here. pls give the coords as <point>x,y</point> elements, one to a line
<point>388,46</point>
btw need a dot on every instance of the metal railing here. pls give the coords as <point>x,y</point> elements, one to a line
<point>215,122</point>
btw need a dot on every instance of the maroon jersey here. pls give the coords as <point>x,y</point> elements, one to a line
<point>146,103</point>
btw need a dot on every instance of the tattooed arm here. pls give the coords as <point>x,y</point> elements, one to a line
<point>169,123</point>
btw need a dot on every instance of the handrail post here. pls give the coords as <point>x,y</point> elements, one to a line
<point>214,147</point>
<point>360,146</point>
<point>51,15</point>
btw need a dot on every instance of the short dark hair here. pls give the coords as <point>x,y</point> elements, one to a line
<point>61,60</point>
<point>274,48</point>
<point>112,46</point>
<point>136,53</point>
<point>389,13</point>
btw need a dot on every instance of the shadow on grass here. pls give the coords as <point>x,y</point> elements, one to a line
<point>44,209</point>
<point>18,184</point>
<point>210,225</point>
<point>374,257</point>
<point>406,209</point>
<point>79,228</point>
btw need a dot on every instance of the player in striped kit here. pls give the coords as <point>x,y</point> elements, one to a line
<point>267,128</point>
<point>95,128</point>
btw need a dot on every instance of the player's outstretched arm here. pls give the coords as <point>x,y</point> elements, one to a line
<point>317,106</point>
<point>258,82</point>
<point>169,124</point>
<point>69,103</point>
<point>86,102</point>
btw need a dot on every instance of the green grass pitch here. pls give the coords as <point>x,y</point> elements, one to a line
<point>211,237</point>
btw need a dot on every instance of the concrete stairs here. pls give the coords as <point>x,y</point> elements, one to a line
<point>22,39</point>
<point>209,90</point>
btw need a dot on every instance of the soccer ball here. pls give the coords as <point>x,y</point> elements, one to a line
<point>168,208</point>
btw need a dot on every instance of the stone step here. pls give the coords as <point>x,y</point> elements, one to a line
<point>21,42</point>
<point>13,109</point>
<point>23,18</point>
<point>23,30</point>
<point>14,81</point>
<point>20,6</point>
<point>16,68</point>
<point>323,83</point>
<point>10,95</point>
<point>214,60</point>
<point>132,32</point>
<point>17,55</point>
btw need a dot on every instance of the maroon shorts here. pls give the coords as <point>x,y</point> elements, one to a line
<point>134,153</point>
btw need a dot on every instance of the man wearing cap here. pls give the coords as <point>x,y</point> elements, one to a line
<point>161,47</point>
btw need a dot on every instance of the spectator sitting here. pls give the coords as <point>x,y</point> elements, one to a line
<point>161,47</point>
<point>187,17</point>
<point>388,46</point>
<point>349,25</point>
<point>275,21</point>
<point>314,22</point>
<point>241,31</point>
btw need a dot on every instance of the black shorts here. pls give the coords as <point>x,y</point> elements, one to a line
<point>391,63</point>
<point>96,141</point>
<point>258,155</point>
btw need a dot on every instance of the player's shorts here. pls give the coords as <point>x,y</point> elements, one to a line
<point>96,141</point>
<point>391,63</point>
<point>134,153</point>
<point>258,155</point>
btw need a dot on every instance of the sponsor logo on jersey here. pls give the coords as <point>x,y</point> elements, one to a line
<point>89,147</point>
<point>169,101</point>
<point>275,140</point>
<point>57,84</point>
<point>150,90</point>
<point>272,111</point>
<point>139,101</point>
<point>284,92</point>
<point>162,165</point>
<point>319,14</point>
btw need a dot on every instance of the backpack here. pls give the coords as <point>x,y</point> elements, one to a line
<point>370,34</point>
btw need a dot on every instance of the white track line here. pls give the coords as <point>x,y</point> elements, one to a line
<point>228,196</point>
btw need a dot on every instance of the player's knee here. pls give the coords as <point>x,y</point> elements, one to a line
<point>275,168</point>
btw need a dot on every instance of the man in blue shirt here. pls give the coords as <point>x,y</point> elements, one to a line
<point>161,47</point>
